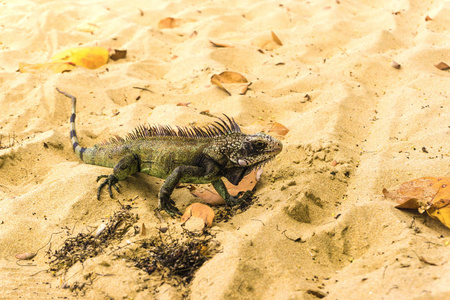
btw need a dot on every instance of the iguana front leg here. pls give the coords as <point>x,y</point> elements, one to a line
<point>165,203</point>
<point>127,166</point>
<point>223,192</point>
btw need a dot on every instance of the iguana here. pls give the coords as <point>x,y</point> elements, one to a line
<point>188,154</point>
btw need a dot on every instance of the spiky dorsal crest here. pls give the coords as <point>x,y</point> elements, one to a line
<point>218,128</point>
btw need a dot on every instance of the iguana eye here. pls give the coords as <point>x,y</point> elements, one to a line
<point>259,144</point>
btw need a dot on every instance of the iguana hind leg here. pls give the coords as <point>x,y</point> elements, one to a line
<point>127,166</point>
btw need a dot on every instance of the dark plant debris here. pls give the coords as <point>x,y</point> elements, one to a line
<point>9,143</point>
<point>224,213</point>
<point>175,259</point>
<point>86,245</point>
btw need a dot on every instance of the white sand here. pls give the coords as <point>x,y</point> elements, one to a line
<point>372,119</point>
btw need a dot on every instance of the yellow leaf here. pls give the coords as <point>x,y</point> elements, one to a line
<point>440,207</point>
<point>87,57</point>
<point>430,194</point>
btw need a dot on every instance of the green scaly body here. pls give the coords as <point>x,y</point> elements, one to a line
<point>185,154</point>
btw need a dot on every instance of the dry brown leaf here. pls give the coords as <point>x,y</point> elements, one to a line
<point>246,184</point>
<point>277,129</point>
<point>276,39</point>
<point>221,44</point>
<point>116,54</point>
<point>208,196</point>
<point>431,194</point>
<point>442,66</point>
<point>427,18</point>
<point>168,23</point>
<point>199,210</point>
<point>231,82</point>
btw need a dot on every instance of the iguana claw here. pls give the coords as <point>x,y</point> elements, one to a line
<point>169,207</point>
<point>111,181</point>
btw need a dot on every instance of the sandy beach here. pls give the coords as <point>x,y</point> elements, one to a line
<point>354,82</point>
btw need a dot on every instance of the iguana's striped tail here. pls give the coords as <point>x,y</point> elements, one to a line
<point>73,134</point>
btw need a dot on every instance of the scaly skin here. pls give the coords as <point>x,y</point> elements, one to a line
<point>187,154</point>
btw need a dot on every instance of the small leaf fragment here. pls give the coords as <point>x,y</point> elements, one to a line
<point>276,39</point>
<point>116,54</point>
<point>442,66</point>
<point>168,23</point>
<point>231,82</point>
<point>221,44</point>
<point>395,65</point>
<point>199,210</point>
<point>25,256</point>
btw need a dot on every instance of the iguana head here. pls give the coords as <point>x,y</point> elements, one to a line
<point>252,150</point>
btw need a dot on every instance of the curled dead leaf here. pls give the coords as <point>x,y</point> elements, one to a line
<point>442,66</point>
<point>168,23</point>
<point>199,210</point>
<point>430,194</point>
<point>231,82</point>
